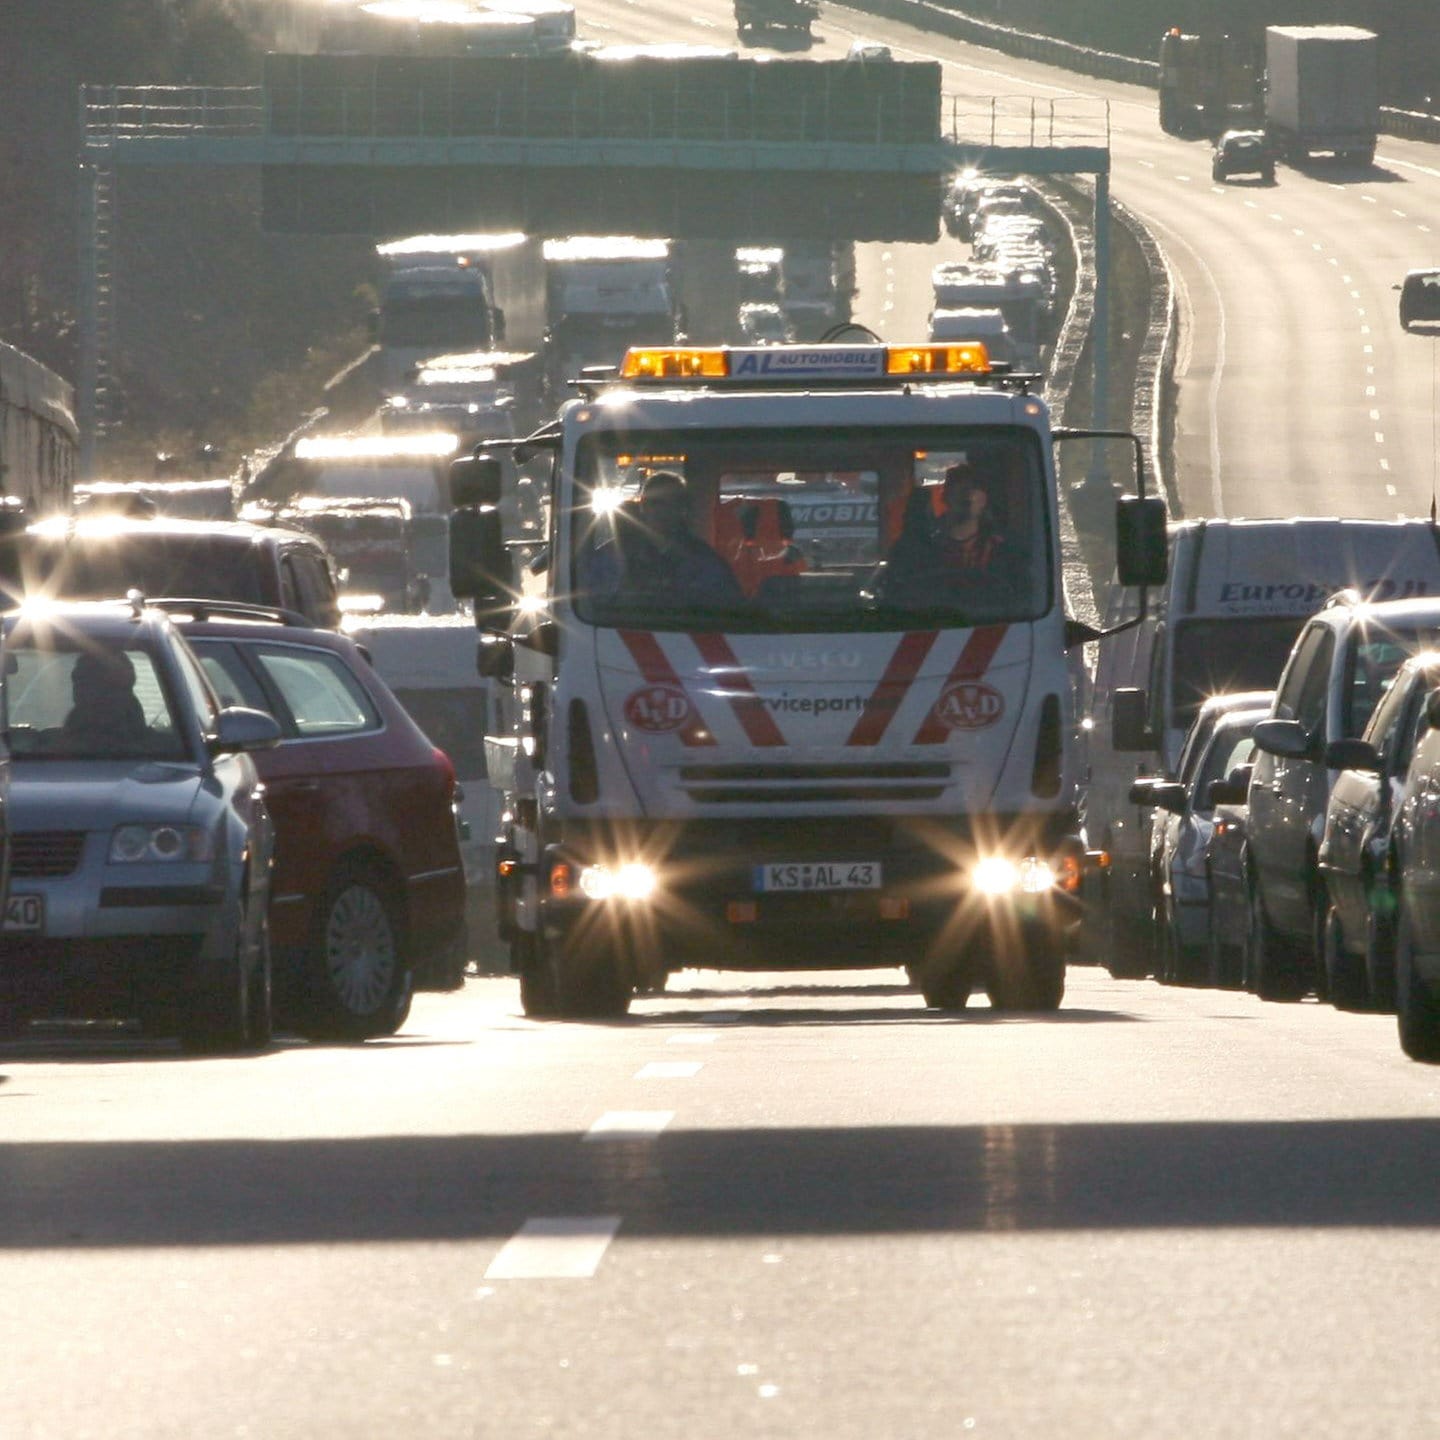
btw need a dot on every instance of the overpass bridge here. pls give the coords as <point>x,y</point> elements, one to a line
<point>703,148</point>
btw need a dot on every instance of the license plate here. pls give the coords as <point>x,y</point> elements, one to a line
<point>25,913</point>
<point>819,875</point>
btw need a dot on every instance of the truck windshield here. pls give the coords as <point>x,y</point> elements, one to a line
<point>825,530</point>
<point>1224,657</point>
<point>458,320</point>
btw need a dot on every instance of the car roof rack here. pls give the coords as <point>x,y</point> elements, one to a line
<point>202,609</point>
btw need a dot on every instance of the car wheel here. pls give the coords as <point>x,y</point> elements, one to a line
<point>213,1012</point>
<point>1344,973</point>
<point>1219,961</point>
<point>259,1007</point>
<point>1380,951</point>
<point>1417,1006</point>
<point>1027,971</point>
<point>1272,964</point>
<point>358,980</point>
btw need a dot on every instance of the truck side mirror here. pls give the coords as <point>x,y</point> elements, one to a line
<point>480,568</point>
<point>1140,546</point>
<point>1128,715</point>
<point>475,480</point>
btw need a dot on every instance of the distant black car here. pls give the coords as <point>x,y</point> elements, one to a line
<point>1419,297</point>
<point>1243,152</point>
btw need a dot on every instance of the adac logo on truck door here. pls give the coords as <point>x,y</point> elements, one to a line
<point>659,709</point>
<point>970,705</point>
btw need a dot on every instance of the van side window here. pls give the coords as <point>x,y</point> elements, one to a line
<point>289,583</point>
<point>314,585</point>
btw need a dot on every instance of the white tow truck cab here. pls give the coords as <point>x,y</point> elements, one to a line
<point>820,741</point>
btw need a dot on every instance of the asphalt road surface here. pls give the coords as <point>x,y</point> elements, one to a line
<point>786,1204</point>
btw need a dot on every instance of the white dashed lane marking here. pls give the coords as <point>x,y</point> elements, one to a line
<point>564,1247</point>
<point>692,1037</point>
<point>669,1070</point>
<point>630,1125</point>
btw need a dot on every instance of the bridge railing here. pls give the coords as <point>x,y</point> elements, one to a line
<point>1024,120</point>
<point>128,112</point>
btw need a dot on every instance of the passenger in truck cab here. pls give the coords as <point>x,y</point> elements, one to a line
<point>933,556</point>
<point>758,555</point>
<point>970,539</point>
<point>663,559</point>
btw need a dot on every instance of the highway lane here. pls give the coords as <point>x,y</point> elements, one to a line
<point>1298,391</point>
<point>792,1204</point>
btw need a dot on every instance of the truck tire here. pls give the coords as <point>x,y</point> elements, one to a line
<point>1027,970</point>
<point>530,961</point>
<point>570,981</point>
<point>946,981</point>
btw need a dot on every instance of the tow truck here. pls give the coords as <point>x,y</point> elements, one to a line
<point>827,770</point>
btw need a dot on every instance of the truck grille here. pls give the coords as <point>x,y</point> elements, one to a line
<point>761,784</point>
<point>43,854</point>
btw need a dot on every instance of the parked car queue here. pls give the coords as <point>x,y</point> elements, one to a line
<point>220,820</point>
<point>1296,850</point>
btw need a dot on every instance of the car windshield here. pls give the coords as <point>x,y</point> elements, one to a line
<point>827,530</point>
<point>107,567</point>
<point>1224,657</point>
<point>72,698</point>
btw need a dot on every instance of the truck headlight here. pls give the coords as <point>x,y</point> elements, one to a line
<point>632,881</point>
<point>149,844</point>
<point>997,875</point>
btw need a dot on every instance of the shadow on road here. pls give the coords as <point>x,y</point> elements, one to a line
<point>849,1180</point>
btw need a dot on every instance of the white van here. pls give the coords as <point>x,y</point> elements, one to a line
<point>1237,595</point>
<point>986,325</point>
<point>429,663</point>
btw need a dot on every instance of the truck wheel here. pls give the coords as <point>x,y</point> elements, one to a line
<point>1272,964</point>
<point>1344,973</point>
<point>1417,1006</point>
<point>530,960</point>
<point>592,982</point>
<point>946,981</point>
<point>358,980</point>
<point>1027,971</point>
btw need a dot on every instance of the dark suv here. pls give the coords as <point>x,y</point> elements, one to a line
<point>1243,152</point>
<point>106,557</point>
<point>1419,297</point>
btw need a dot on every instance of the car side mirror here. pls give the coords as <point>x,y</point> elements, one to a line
<point>1287,739</point>
<point>238,729</point>
<point>1352,755</point>
<point>1139,792</point>
<point>1432,709</point>
<point>1227,792</point>
<point>543,637</point>
<point>1140,542</point>
<point>1128,716</point>
<point>495,656</point>
<point>1168,795</point>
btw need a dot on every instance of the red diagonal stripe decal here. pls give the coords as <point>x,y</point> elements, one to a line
<point>645,650</point>
<point>979,650</point>
<point>894,685</point>
<point>756,721</point>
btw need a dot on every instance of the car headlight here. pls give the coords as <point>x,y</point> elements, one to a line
<point>149,844</point>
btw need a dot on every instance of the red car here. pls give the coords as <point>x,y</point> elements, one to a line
<point>368,891</point>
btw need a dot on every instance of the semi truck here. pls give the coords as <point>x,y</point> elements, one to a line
<point>602,295</point>
<point>1321,91</point>
<point>841,764</point>
<point>753,15</point>
<point>1208,83</point>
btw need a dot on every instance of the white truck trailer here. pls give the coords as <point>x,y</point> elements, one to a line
<point>1322,91</point>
